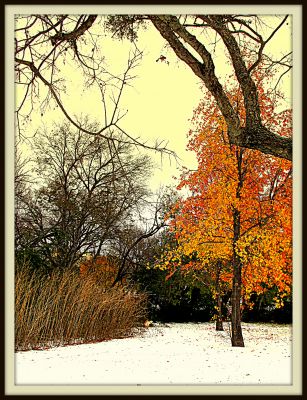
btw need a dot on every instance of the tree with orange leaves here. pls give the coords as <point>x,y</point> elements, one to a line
<point>102,269</point>
<point>238,212</point>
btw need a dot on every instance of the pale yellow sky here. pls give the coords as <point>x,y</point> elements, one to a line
<point>159,101</point>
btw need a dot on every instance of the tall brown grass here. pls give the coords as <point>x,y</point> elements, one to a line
<point>65,308</point>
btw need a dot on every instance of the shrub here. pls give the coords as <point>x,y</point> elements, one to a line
<point>265,310</point>
<point>178,299</point>
<point>64,308</point>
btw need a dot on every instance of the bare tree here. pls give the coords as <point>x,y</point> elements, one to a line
<point>87,190</point>
<point>131,244</point>
<point>22,181</point>
<point>43,43</point>
<point>44,46</point>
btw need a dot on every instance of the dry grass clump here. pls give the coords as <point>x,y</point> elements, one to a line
<point>65,308</point>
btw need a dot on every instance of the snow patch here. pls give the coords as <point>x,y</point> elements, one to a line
<point>174,353</point>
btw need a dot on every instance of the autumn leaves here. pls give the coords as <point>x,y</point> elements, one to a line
<point>238,213</point>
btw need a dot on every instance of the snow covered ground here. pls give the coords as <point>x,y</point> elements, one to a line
<point>172,354</point>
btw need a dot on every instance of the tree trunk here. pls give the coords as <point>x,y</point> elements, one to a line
<point>219,321</point>
<point>236,330</point>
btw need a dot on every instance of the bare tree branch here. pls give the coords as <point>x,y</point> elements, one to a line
<point>253,135</point>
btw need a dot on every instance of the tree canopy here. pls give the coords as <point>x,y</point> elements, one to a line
<point>235,225</point>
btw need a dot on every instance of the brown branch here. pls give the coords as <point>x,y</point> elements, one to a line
<point>75,34</point>
<point>254,135</point>
<point>167,25</point>
<point>263,43</point>
<point>247,85</point>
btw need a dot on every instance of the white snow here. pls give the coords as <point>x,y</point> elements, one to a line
<point>175,354</point>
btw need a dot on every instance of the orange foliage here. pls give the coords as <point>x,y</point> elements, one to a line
<point>103,269</point>
<point>228,178</point>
